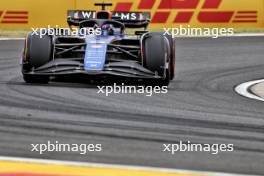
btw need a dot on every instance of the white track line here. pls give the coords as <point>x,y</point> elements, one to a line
<point>235,35</point>
<point>4,39</point>
<point>114,166</point>
<point>243,89</point>
<point>249,35</point>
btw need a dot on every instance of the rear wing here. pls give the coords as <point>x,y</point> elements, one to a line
<point>129,19</point>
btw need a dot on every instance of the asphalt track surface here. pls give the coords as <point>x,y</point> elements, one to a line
<point>200,106</point>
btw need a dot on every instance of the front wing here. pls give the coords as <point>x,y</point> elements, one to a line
<point>73,66</point>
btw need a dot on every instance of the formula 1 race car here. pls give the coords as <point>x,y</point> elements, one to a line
<point>110,53</point>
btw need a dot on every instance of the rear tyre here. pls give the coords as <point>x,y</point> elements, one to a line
<point>156,55</point>
<point>37,52</point>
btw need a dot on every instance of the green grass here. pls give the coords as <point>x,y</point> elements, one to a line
<point>13,33</point>
<point>249,30</point>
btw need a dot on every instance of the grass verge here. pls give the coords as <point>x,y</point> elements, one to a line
<point>13,33</point>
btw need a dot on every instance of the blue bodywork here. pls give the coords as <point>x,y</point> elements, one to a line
<point>95,52</point>
<point>96,47</point>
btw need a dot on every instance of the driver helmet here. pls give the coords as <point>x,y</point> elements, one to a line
<point>107,29</point>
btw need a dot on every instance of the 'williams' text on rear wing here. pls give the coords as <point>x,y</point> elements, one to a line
<point>130,19</point>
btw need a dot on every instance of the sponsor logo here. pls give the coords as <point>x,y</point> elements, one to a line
<point>209,11</point>
<point>118,15</point>
<point>14,17</point>
<point>163,11</point>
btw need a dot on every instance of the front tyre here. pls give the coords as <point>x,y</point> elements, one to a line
<point>37,52</point>
<point>156,57</point>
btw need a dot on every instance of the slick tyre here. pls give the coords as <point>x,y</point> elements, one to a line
<point>37,52</point>
<point>156,57</point>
